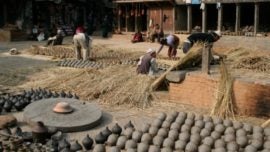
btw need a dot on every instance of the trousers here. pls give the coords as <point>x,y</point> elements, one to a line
<point>82,46</point>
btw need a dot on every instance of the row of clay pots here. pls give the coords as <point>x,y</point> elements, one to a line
<point>18,102</point>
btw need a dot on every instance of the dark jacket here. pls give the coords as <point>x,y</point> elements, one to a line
<point>144,67</point>
<point>202,37</point>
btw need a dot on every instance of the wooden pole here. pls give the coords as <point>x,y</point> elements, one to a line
<point>206,59</point>
<point>266,123</point>
<point>204,19</point>
<point>237,17</point>
<point>220,18</point>
<point>136,17</point>
<point>126,13</point>
<point>173,19</point>
<point>256,18</point>
<point>119,19</point>
<point>189,18</point>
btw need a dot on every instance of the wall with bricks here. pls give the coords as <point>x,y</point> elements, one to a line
<point>201,90</point>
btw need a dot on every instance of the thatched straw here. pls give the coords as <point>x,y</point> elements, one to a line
<point>254,63</point>
<point>224,106</point>
<point>114,85</point>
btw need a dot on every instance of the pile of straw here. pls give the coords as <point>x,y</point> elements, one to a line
<point>254,63</point>
<point>59,51</point>
<point>113,85</point>
<point>224,106</point>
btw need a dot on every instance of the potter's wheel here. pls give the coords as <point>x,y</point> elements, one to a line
<point>84,115</point>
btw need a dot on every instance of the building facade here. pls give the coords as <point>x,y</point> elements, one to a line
<point>185,16</point>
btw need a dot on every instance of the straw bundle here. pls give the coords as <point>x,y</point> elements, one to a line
<point>224,106</point>
<point>114,85</point>
<point>59,51</point>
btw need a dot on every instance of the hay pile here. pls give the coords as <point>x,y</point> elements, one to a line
<point>224,106</point>
<point>254,63</point>
<point>113,85</point>
<point>59,51</point>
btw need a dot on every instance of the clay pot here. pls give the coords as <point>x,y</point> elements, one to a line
<point>229,130</point>
<point>195,130</point>
<point>129,125</point>
<point>166,149</point>
<point>175,126</point>
<point>199,123</point>
<point>242,141</point>
<point>250,148</point>
<point>153,148</point>
<point>162,116</point>
<point>158,140</point>
<point>229,137</point>
<point>147,138</point>
<point>76,146</point>
<point>205,132</point>
<point>121,142</point>
<point>40,132</point>
<point>7,106</point>
<point>219,143</point>
<point>18,131</point>
<point>220,128</point>
<point>191,116</point>
<point>257,143</point>
<point>184,136</point>
<point>143,147</point>
<point>166,124</point>
<point>232,146</point>
<point>112,139</point>
<point>19,106</point>
<point>62,94</point>
<point>137,135</point>
<point>227,123</point>
<point>106,132</point>
<point>69,95</point>
<point>87,142</point>
<point>145,128</point>
<point>241,132</point>
<point>204,148</point>
<point>63,144</point>
<point>100,138</point>
<point>209,125</point>
<point>207,119</point>
<point>185,128</point>
<point>116,129</point>
<point>215,135</point>
<point>157,123</point>
<point>130,144</point>
<point>168,142</point>
<point>162,132</point>
<point>173,134</point>
<point>115,149</point>
<point>191,147</point>
<point>195,138</point>
<point>180,145</point>
<point>2,102</point>
<point>220,149</point>
<point>208,141</point>
<point>128,132</point>
<point>99,148</point>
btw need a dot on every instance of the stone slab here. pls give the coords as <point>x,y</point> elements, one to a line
<point>176,76</point>
<point>85,115</point>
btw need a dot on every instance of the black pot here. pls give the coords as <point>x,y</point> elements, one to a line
<point>7,106</point>
<point>63,144</point>
<point>62,94</point>
<point>76,146</point>
<point>2,101</point>
<point>129,125</point>
<point>116,129</point>
<point>69,95</point>
<point>87,142</point>
<point>106,132</point>
<point>19,106</point>
<point>100,138</point>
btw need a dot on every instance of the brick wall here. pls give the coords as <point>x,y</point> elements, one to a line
<point>200,91</point>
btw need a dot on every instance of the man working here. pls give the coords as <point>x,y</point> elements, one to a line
<point>82,42</point>
<point>207,38</point>
<point>57,39</point>
<point>172,41</point>
<point>147,63</point>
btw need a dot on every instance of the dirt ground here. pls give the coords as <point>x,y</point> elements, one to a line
<point>17,70</point>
